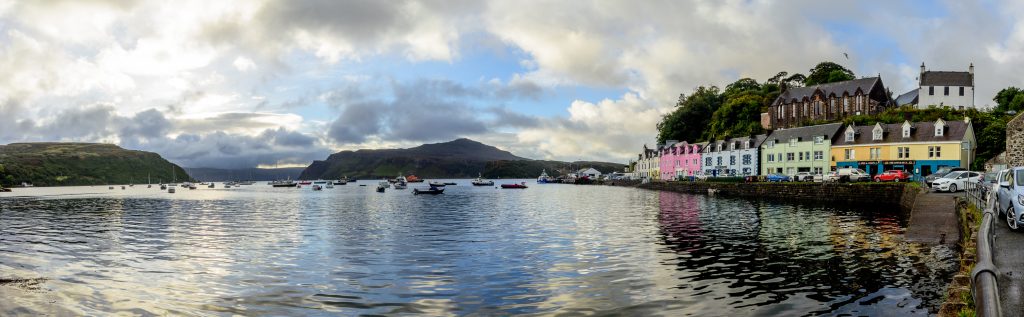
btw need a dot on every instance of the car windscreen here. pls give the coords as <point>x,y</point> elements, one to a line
<point>1020,177</point>
<point>952,174</point>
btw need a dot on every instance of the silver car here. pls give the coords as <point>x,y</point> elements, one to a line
<point>1010,196</point>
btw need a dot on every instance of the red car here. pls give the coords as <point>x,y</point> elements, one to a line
<point>893,176</point>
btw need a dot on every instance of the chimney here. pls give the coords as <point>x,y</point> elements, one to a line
<point>971,69</point>
<point>920,79</point>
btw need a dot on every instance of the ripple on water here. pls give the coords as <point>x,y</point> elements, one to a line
<point>548,249</point>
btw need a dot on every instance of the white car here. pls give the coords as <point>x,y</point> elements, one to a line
<point>955,181</point>
<point>803,177</point>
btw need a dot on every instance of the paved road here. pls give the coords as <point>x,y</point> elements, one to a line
<point>1008,257</point>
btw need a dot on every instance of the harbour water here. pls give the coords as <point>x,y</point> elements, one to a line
<point>548,249</point>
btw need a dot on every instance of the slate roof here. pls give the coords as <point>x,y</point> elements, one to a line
<point>893,133</point>
<point>805,133</point>
<point>908,98</point>
<point>836,88</point>
<point>933,78</point>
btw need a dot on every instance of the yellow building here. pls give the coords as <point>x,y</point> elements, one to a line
<point>919,147</point>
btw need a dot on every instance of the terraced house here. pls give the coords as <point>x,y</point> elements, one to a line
<point>804,149</point>
<point>827,102</point>
<point>647,164</point>
<point>917,147</point>
<point>733,157</point>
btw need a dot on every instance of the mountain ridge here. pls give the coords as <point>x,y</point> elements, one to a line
<point>75,163</point>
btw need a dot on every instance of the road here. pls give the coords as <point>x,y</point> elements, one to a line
<point>1008,257</point>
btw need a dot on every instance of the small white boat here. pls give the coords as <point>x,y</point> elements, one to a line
<point>385,183</point>
<point>329,185</point>
<point>543,178</point>
<point>210,186</point>
<point>480,181</point>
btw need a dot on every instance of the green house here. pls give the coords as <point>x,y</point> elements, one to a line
<point>804,149</point>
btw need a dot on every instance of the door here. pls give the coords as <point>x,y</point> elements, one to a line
<point>926,170</point>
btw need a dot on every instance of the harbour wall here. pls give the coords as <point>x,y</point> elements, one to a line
<point>902,194</point>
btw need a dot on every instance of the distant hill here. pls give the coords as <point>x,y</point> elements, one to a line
<point>254,174</point>
<point>52,164</point>
<point>461,158</point>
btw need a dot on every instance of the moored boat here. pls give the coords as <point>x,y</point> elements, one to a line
<point>522,185</point>
<point>317,187</point>
<point>305,182</point>
<point>480,181</point>
<point>413,179</point>
<point>434,190</point>
<point>170,190</point>
<point>436,183</point>
<point>543,178</point>
<point>282,183</point>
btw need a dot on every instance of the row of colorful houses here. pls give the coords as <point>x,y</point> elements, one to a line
<point>917,147</point>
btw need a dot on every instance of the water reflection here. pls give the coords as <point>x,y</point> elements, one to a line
<point>549,249</point>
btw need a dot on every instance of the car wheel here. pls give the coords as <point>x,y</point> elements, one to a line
<point>952,188</point>
<point>878,180</point>
<point>896,180</point>
<point>1010,222</point>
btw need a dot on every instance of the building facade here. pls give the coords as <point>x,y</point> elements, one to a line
<point>647,164</point>
<point>733,157</point>
<point>942,88</point>
<point>827,102</point>
<point>917,147</point>
<point>804,149</point>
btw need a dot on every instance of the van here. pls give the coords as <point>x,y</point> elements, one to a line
<point>850,174</point>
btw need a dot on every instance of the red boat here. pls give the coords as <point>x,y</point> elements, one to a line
<point>413,179</point>
<point>305,182</point>
<point>523,185</point>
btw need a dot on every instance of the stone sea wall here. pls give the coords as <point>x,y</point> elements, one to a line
<point>902,194</point>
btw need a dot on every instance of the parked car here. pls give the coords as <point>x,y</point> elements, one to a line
<point>831,177</point>
<point>803,177</point>
<point>776,177</point>
<point>1010,197</point>
<point>850,174</point>
<point>955,181</point>
<point>893,176</point>
<point>986,181</point>
<point>941,172</point>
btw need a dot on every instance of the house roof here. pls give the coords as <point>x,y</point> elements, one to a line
<point>908,98</point>
<point>919,132</point>
<point>758,139</point>
<point>806,133</point>
<point>836,88</point>
<point>934,78</point>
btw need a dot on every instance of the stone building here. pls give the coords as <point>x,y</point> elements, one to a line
<point>827,102</point>
<point>1015,141</point>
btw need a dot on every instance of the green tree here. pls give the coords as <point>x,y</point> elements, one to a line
<point>691,116</point>
<point>827,72</point>
<point>1010,98</point>
<point>739,115</point>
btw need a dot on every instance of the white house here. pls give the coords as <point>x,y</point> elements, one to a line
<point>589,172</point>
<point>733,157</point>
<point>647,164</point>
<point>942,88</point>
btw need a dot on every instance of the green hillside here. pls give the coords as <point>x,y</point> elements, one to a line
<point>56,164</point>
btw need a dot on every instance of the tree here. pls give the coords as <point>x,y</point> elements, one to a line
<point>1010,98</point>
<point>691,116</point>
<point>741,86</point>
<point>827,72</point>
<point>739,115</point>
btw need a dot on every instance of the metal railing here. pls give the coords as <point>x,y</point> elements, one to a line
<point>977,194</point>
<point>984,287</point>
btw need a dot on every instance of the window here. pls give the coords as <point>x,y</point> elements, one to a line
<point>817,170</point>
<point>792,142</point>
<point>931,90</point>
<point>938,130</point>
<point>961,91</point>
<point>849,135</point>
<point>719,148</point>
<point>707,161</point>
<point>934,151</point>
<point>848,154</point>
<point>902,152</point>
<point>945,91</point>
<point>746,159</point>
<point>819,155</point>
<point>780,157</point>
<point>906,131</point>
<point>732,146</point>
<point>801,155</point>
<point>771,157</point>
<point>719,160</point>
<point>876,134</point>
<point>790,171</point>
<point>846,104</point>
<point>875,153</point>
<point>807,155</point>
<point>771,144</point>
<point>732,160</point>
<point>790,156</point>
<point>819,139</point>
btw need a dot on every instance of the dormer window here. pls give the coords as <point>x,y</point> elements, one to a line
<point>906,130</point>
<point>876,134</point>
<point>819,139</point>
<point>771,144</point>
<point>849,135</point>
<point>938,130</point>
<point>792,142</point>
<point>732,146</point>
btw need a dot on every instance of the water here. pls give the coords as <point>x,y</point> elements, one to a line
<point>549,249</point>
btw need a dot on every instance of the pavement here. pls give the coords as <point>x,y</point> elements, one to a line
<point>933,219</point>
<point>1008,257</point>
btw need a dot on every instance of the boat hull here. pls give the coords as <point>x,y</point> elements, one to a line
<point>428,191</point>
<point>512,186</point>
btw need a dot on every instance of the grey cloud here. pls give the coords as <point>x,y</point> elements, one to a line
<point>504,117</point>
<point>149,124</point>
<point>357,122</point>
<point>283,137</point>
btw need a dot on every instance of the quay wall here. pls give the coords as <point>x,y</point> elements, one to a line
<point>902,194</point>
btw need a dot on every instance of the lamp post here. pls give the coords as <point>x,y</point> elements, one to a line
<point>967,146</point>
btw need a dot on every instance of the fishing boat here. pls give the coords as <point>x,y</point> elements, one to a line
<point>543,178</point>
<point>480,181</point>
<point>283,183</point>
<point>434,190</point>
<point>413,179</point>
<point>522,185</point>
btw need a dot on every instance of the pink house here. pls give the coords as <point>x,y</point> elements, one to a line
<point>679,159</point>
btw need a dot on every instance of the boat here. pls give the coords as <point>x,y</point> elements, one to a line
<point>329,185</point>
<point>341,181</point>
<point>227,186</point>
<point>522,185</point>
<point>110,187</point>
<point>305,182</point>
<point>434,190</point>
<point>122,187</point>
<point>413,179</point>
<point>5,190</point>
<point>25,184</point>
<point>245,183</point>
<point>362,185</point>
<point>191,186</point>
<point>400,183</point>
<point>382,186</point>
<point>450,183</point>
<point>480,181</point>
<point>163,187</point>
<point>170,190</point>
<point>283,183</point>
<point>385,182</point>
<point>543,178</point>
<point>319,182</point>
<point>435,183</point>
<point>317,187</point>
<point>210,186</point>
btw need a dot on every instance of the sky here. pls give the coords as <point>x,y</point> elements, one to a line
<point>235,84</point>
